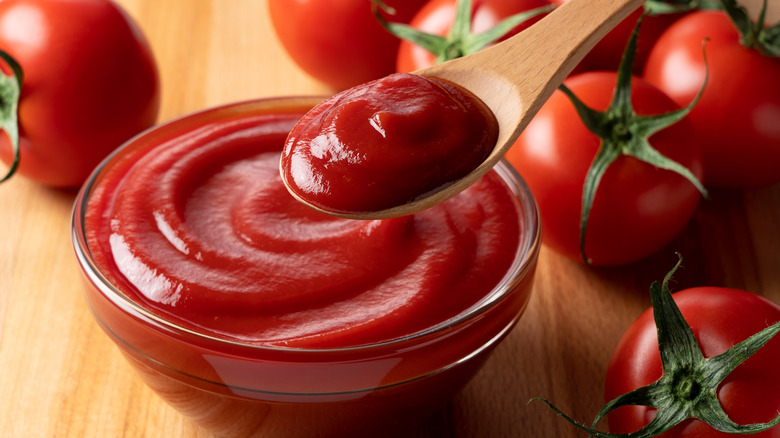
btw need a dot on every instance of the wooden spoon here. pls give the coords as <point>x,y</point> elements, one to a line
<point>515,77</point>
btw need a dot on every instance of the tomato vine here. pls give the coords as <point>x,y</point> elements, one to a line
<point>10,91</point>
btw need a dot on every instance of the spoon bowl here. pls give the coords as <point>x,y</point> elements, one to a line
<point>515,77</point>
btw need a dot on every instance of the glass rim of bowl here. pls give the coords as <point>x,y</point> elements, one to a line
<point>525,256</point>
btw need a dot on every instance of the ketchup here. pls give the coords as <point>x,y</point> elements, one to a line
<point>387,143</point>
<point>199,229</point>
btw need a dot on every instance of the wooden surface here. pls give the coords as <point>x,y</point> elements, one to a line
<point>60,376</point>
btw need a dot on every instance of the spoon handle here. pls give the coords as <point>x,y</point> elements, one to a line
<point>550,49</point>
<point>514,78</point>
<point>532,64</point>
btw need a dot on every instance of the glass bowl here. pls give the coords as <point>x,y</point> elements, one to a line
<point>235,388</point>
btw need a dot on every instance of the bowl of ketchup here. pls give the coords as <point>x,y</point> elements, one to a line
<point>255,315</point>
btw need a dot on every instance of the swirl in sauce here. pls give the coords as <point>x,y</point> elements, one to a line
<point>199,228</point>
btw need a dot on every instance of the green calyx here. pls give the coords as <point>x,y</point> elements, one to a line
<point>460,41</point>
<point>657,7</point>
<point>688,385</point>
<point>754,35</point>
<point>10,90</point>
<point>623,132</point>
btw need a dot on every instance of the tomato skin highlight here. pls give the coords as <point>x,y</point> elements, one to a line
<point>638,208</point>
<point>436,17</point>
<point>720,318</point>
<point>90,83</point>
<point>339,43</point>
<point>737,120</point>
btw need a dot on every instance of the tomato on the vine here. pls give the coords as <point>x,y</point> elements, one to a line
<point>339,43</point>
<point>700,363</point>
<point>638,207</point>
<point>612,164</point>
<point>719,318</point>
<point>437,17</point>
<point>737,119</point>
<point>90,83</point>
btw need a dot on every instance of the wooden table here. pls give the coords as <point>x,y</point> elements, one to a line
<point>60,376</point>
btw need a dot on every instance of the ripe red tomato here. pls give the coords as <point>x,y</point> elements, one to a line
<point>90,83</point>
<point>339,43</point>
<point>638,208</point>
<point>737,119</point>
<point>436,18</point>
<point>719,318</point>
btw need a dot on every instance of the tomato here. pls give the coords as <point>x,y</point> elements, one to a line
<point>437,16</point>
<point>701,363</point>
<point>737,119</point>
<point>719,318</point>
<point>90,83</point>
<point>638,208</point>
<point>339,43</point>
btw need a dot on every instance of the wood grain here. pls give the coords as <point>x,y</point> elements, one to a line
<point>60,376</point>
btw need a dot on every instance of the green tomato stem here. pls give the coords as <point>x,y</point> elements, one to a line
<point>755,35</point>
<point>460,41</point>
<point>10,91</point>
<point>623,132</point>
<point>659,7</point>
<point>688,385</point>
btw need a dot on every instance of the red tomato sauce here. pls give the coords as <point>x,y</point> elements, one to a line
<point>198,228</point>
<point>386,143</point>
